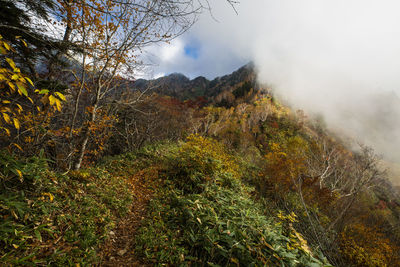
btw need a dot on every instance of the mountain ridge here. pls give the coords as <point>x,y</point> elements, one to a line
<point>180,86</point>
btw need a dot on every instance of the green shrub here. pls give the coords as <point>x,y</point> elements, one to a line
<point>197,161</point>
<point>221,226</point>
<point>204,215</point>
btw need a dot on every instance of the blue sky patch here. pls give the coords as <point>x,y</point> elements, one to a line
<point>191,51</point>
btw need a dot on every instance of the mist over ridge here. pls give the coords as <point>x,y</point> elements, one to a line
<point>338,59</point>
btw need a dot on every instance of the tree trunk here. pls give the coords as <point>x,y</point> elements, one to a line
<point>85,140</point>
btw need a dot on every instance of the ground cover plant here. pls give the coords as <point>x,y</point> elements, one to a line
<point>49,218</point>
<point>216,223</point>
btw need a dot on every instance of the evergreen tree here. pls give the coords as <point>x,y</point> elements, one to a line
<point>17,19</point>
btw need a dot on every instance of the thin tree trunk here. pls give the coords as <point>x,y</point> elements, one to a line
<point>76,107</point>
<point>68,29</point>
<point>86,137</point>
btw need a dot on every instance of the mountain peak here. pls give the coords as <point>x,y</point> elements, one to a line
<point>180,86</point>
<point>176,75</point>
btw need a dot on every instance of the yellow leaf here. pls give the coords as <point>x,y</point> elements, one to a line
<point>7,46</point>
<point>52,100</point>
<point>16,217</point>
<point>61,96</point>
<point>12,86</point>
<point>19,173</point>
<point>43,91</point>
<point>6,102</point>
<point>50,195</point>
<point>22,89</point>
<point>58,104</point>
<point>236,261</point>
<point>7,131</point>
<point>15,246</point>
<point>6,117</point>
<point>16,123</point>
<point>30,99</point>
<point>10,62</point>
<point>29,80</point>
<point>17,146</point>
<point>19,107</point>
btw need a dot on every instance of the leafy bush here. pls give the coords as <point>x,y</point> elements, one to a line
<point>197,161</point>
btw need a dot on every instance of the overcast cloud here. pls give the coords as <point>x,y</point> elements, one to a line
<point>330,57</point>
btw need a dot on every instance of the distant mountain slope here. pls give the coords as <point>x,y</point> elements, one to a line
<point>181,87</point>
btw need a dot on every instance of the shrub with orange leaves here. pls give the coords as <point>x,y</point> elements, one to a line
<point>100,132</point>
<point>284,163</point>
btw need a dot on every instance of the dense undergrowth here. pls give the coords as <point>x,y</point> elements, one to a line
<point>204,215</point>
<point>212,206</point>
<point>48,218</point>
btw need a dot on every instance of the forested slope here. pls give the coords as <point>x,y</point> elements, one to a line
<point>255,184</point>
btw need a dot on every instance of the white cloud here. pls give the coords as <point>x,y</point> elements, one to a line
<point>159,75</point>
<point>170,52</point>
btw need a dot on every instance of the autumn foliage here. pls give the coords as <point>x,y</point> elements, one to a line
<point>241,178</point>
<point>200,160</point>
<point>362,245</point>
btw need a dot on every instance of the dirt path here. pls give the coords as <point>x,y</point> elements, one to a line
<point>119,249</point>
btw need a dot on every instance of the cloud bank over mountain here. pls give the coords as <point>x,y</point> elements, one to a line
<point>337,58</point>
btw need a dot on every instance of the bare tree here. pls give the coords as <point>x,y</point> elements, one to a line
<point>111,36</point>
<point>361,176</point>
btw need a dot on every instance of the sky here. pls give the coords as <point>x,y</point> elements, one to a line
<point>340,59</point>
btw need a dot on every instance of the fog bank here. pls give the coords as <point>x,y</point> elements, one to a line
<point>337,58</point>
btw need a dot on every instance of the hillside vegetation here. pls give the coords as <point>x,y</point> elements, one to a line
<point>99,169</point>
<point>244,196</point>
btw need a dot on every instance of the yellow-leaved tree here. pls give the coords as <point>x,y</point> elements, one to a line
<point>19,105</point>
